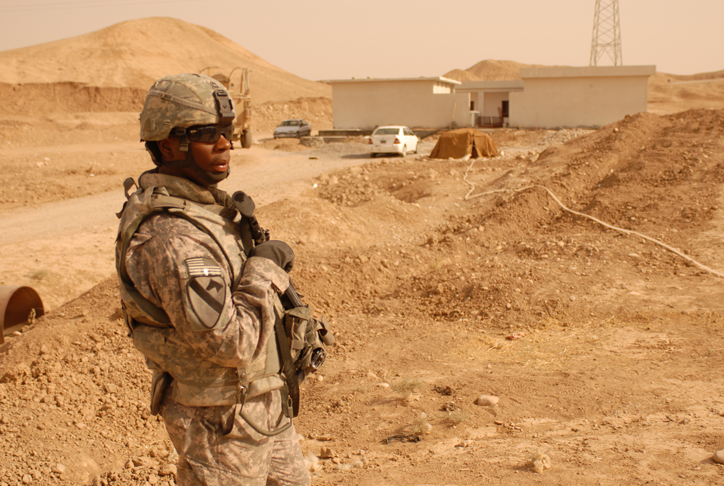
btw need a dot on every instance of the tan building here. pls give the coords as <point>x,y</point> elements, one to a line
<point>415,102</point>
<point>553,97</point>
<point>568,97</point>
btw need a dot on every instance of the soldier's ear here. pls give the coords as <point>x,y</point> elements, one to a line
<point>169,148</point>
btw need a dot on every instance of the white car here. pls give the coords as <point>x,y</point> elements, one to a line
<point>393,140</point>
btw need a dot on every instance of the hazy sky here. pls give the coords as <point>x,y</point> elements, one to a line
<point>333,39</point>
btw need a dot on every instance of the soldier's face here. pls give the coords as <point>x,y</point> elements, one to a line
<point>210,157</point>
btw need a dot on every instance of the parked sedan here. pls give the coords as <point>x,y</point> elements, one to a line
<point>393,140</point>
<point>293,128</point>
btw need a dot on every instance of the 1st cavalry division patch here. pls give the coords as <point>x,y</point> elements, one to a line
<point>206,290</point>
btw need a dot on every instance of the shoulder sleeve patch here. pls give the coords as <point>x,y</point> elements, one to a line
<point>203,267</point>
<point>206,292</point>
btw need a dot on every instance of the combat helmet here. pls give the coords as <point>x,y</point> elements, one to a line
<point>182,101</point>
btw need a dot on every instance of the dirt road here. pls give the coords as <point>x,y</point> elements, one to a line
<point>37,240</point>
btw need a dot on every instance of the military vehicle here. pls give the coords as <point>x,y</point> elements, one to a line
<point>237,84</point>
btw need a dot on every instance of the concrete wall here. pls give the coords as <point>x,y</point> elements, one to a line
<point>368,104</point>
<point>493,103</point>
<point>478,99</point>
<point>579,96</point>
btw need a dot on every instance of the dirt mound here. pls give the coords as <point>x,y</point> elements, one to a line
<point>639,172</point>
<point>74,389</point>
<point>316,111</point>
<point>91,88</point>
<point>112,67</point>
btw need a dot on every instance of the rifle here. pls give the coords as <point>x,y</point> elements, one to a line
<point>291,300</point>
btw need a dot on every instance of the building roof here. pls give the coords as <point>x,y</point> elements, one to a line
<point>438,79</point>
<point>496,85</point>
<point>587,71</point>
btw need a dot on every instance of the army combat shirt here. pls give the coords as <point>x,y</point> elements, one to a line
<point>218,322</point>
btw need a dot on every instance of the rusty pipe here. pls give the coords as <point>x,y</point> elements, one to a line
<point>16,306</point>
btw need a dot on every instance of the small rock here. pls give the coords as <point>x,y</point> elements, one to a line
<point>515,336</point>
<point>540,462</point>
<point>167,470</point>
<point>719,457</point>
<point>371,375</point>
<point>383,385</point>
<point>327,453</point>
<point>58,468</point>
<point>487,400</point>
<point>426,428</point>
<point>312,462</point>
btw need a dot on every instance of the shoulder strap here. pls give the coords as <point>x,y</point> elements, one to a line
<point>150,203</point>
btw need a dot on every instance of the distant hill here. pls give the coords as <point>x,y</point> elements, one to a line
<point>489,70</point>
<point>671,93</point>
<point>121,62</point>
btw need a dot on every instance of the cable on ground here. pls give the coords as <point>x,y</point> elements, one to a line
<point>615,228</point>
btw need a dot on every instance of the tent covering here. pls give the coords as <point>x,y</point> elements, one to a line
<point>456,144</point>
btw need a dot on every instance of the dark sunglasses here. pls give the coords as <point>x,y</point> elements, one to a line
<point>209,133</point>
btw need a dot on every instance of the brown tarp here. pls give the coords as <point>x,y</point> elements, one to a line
<point>456,144</point>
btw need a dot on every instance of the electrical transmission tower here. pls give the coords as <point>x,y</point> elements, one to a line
<point>606,33</point>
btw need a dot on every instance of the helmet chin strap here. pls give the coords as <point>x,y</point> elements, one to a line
<point>210,178</point>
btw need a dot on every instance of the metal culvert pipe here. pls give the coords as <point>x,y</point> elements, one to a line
<point>17,304</point>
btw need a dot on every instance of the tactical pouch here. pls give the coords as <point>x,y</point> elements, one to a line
<point>308,338</point>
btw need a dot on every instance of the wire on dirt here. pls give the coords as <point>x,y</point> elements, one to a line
<point>615,228</point>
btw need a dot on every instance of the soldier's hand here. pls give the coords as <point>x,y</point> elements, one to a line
<point>276,251</point>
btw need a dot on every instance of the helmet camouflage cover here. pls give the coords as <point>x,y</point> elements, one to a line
<point>184,100</point>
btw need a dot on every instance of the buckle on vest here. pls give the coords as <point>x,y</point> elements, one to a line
<point>241,395</point>
<point>127,319</point>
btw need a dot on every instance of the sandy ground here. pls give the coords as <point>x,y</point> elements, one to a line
<point>444,280</point>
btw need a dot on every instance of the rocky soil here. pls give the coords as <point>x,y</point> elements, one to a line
<point>484,334</point>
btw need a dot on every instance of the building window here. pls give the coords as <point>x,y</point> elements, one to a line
<point>472,105</point>
<point>505,109</point>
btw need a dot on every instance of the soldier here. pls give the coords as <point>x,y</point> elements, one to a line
<point>200,298</point>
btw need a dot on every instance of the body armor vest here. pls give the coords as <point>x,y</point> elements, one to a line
<point>196,382</point>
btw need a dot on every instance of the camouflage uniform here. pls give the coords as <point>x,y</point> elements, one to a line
<point>219,335</point>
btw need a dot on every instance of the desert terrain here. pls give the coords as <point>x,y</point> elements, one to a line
<point>485,334</point>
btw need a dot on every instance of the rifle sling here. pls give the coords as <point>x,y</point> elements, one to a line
<point>288,369</point>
